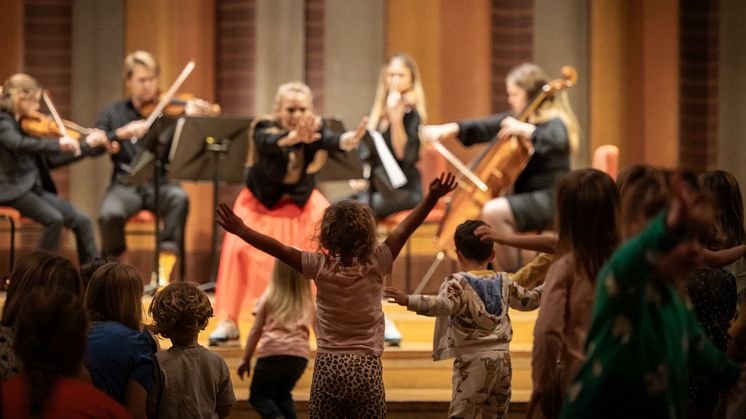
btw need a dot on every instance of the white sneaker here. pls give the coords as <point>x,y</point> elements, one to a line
<point>226,330</point>
<point>391,335</point>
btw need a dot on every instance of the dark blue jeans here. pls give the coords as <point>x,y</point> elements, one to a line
<point>274,379</point>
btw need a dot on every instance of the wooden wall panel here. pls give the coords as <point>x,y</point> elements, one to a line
<point>235,55</point>
<point>699,83</point>
<point>47,57</point>
<point>314,52</point>
<point>11,34</point>
<point>512,43</point>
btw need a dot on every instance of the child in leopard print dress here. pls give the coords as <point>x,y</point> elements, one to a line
<point>349,271</point>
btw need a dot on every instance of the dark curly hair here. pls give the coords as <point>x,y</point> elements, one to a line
<point>180,310</point>
<point>471,246</point>
<point>348,231</point>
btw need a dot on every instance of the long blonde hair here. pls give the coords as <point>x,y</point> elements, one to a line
<point>287,299</point>
<point>530,77</point>
<point>379,103</point>
<point>16,87</point>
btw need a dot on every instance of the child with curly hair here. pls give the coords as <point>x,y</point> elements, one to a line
<point>190,380</point>
<point>348,271</point>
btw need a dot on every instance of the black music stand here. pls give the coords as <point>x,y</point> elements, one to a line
<point>149,165</point>
<point>210,149</point>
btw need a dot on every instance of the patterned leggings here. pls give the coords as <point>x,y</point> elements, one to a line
<point>481,384</point>
<point>347,386</point>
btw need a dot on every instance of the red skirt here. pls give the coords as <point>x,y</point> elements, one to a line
<point>245,271</point>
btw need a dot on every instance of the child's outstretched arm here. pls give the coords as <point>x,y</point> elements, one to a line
<point>439,187</point>
<point>724,257</point>
<point>448,301</point>
<point>537,243</point>
<point>232,224</point>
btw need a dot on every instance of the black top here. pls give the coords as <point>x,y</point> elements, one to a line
<point>411,151</point>
<point>115,116</point>
<point>25,161</point>
<point>264,178</point>
<point>551,158</point>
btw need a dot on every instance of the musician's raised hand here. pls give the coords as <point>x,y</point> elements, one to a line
<point>436,133</point>
<point>350,139</point>
<point>308,128</point>
<point>96,138</point>
<point>229,220</point>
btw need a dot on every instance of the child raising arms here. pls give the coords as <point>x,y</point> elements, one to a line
<point>349,272</point>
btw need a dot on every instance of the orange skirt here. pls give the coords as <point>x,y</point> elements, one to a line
<point>245,271</point>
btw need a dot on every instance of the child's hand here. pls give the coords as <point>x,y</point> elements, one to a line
<point>229,220</point>
<point>443,184</point>
<point>487,233</point>
<point>244,368</point>
<point>396,296</point>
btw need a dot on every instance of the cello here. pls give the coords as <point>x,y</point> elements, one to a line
<point>494,172</point>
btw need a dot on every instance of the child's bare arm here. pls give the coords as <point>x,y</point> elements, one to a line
<point>252,340</point>
<point>724,257</point>
<point>439,187</point>
<point>537,243</point>
<point>232,224</point>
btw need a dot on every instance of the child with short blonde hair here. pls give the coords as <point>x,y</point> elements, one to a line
<point>190,380</point>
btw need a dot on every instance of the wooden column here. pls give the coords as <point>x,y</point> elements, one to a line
<point>512,43</point>
<point>11,32</point>
<point>699,83</point>
<point>732,90</point>
<point>314,51</point>
<point>236,55</point>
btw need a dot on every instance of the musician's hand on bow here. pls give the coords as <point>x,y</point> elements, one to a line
<point>436,133</point>
<point>70,144</point>
<point>395,102</point>
<point>350,139</point>
<point>96,138</point>
<point>133,129</point>
<point>511,127</point>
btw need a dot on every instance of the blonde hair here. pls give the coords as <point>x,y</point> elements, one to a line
<point>115,294</point>
<point>287,299</point>
<point>291,87</point>
<point>142,58</point>
<point>531,78</point>
<point>382,93</point>
<point>180,309</point>
<point>16,87</point>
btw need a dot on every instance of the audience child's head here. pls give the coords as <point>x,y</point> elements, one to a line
<point>470,248</point>
<point>180,311</point>
<point>348,232</point>
<point>38,270</point>
<point>87,269</point>
<point>51,330</point>
<point>726,194</point>
<point>587,217</point>
<point>644,193</point>
<point>115,294</point>
<point>288,296</point>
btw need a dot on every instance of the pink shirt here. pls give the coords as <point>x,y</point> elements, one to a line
<point>348,301</point>
<point>277,340</point>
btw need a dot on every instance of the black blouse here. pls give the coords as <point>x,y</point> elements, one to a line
<point>264,178</point>
<point>551,158</point>
<point>411,151</point>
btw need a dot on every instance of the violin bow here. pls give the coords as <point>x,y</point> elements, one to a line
<point>55,114</point>
<point>166,98</point>
<point>459,165</point>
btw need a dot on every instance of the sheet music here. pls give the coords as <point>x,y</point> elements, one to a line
<point>390,166</point>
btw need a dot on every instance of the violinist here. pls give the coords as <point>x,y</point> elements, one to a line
<point>553,132</point>
<point>25,162</point>
<point>122,121</point>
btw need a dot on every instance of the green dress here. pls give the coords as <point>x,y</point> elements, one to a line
<point>643,339</point>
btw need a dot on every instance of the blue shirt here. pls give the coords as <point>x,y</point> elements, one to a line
<point>117,354</point>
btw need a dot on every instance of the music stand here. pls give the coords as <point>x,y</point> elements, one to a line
<point>210,149</point>
<point>149,164</point>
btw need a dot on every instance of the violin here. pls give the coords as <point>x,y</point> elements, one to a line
<point>179,104</point>
<point>497,169</point>
<point>41,125</point>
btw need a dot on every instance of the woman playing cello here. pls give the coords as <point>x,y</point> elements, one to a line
<point>552,130</point>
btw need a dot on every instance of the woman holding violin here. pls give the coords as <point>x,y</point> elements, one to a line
<point>29,147</point>
<point>552,130</point>
<point>124,122</point>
